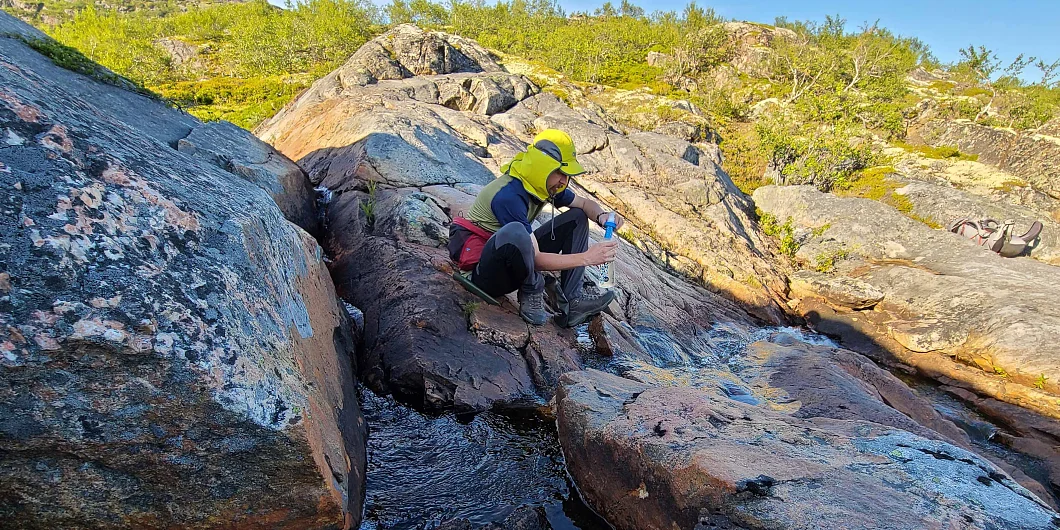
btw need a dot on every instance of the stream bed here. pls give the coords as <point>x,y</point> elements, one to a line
<point>425,470</point>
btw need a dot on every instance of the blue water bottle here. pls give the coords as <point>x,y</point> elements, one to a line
<point>609,269</point>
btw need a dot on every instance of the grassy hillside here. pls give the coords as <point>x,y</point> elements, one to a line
<point>237,61</point>
<point>811,102</point>
<point>54,12</point>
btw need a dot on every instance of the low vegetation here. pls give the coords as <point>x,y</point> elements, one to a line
<point>783,232</point>
<point>942,152</point>
<point>235,61</point>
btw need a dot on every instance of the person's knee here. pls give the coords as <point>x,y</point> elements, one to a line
<point>515,234</point>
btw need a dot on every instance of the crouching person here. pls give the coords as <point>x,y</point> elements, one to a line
<point>499,251</point>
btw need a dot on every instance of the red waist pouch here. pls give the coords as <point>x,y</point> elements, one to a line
<point>471,250</point>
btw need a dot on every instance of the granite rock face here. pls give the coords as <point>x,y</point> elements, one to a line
<point>173,353</point>
<point>650,457</point>
<point>400,158</point>
<point>1032,157</point>
<point>232,149</point>
<point>945,298</point>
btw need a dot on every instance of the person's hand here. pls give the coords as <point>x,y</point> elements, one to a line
<point>601,253</point>
<point>602,220</point>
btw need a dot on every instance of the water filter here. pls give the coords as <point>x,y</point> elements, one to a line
<point>608,279</point>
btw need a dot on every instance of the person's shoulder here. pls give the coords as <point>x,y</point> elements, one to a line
<point>513,190</point>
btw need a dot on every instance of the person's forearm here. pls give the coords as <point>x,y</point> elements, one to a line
<point>594,210</point>
<point>547,261</point>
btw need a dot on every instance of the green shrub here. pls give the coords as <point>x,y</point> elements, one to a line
<point>248,40</point>
<point>744,159</point>
<point>469,308</point>
<point>785,233</point>
<point>1039,383</point>
<point>872,184</point>
<point>368,205</point>
<point>73,60</point>
<point>825,157</point>
<point>976,91</point>
<point>826,261</point>
<point>945,87</point>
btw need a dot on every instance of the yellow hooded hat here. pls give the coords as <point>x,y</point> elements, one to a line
<point>551,149</point>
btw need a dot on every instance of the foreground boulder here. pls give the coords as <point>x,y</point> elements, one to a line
<point>173,353</point>
<point>648,457</point>
<point>944,298</point>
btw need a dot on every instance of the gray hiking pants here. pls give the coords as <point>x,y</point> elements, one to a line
<point>507,261</point>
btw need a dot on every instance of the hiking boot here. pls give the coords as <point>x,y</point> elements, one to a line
<point>532,307</point>
<point>592,301</point>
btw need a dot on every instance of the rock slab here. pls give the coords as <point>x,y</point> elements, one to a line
<point>668,457</point>
<point>172,352</point>
<point>944,296</point>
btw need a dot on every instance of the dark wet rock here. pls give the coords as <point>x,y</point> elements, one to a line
<point>173,352</point>
<point>944,296</point>
<point>670,457</point>
<point>1022,430</point>
<point>417,340</point>
<point>407,215</point>
<point>426,339</point>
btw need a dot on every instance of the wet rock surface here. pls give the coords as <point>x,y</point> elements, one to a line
<point>671,457</point>
<point>173,353</point>
<point>943,296</point>
<point>524,518</point>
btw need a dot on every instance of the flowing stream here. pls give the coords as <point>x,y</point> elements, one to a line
<point>425,470</point>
